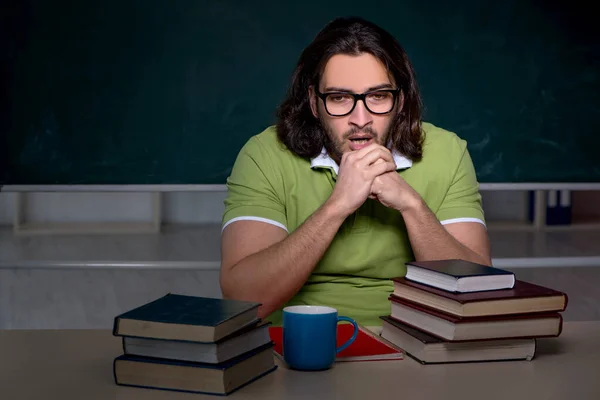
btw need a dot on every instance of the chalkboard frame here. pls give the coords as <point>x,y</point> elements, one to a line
<point>166,188</point>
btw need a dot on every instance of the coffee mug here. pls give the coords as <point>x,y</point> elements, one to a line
<point>309,336</point>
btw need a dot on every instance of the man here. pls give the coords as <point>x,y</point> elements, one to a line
<point>327,206</point>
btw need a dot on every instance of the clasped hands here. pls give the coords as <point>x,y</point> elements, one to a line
<point>371,173</point>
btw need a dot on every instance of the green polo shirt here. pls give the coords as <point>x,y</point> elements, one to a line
<point>271,184</point>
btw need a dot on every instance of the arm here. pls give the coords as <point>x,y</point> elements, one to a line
<point>260,262</point>
<point>429,238</point>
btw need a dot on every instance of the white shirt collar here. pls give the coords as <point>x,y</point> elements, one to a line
<point>324,161</point>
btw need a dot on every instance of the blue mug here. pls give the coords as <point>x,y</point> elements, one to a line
<point>309,337</point>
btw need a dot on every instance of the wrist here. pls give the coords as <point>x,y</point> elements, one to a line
<point>334,211</point>
<point>415,206</point>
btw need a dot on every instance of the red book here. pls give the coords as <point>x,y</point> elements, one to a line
<point>523,298</point>
<point>367,346</point>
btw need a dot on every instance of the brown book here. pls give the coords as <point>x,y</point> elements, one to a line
<point>523,298</point>
<point>428,349</point>
<point>452,328</point>
<point>196,377</point>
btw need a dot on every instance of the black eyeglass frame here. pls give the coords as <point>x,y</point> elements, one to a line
<point>357,97</point>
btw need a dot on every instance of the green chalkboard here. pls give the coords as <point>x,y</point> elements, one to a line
<point>167,92</point>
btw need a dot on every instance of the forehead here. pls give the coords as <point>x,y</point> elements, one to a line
<point>356,73</point>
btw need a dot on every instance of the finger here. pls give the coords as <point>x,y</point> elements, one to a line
<point>376,188</point>
<point>359,154</point>
<point>372,147</point>
<point>380,153</point>
<point>381,168</point>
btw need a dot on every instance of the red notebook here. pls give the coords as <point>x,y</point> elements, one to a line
<point>367,346</point>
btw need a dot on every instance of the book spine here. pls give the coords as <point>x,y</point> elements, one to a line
<point>560,325</point>
<point>558,211</point>
<point>558,207</point>
<point>115,331</point>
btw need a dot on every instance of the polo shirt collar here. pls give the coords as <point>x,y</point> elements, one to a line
<point>324,161</point>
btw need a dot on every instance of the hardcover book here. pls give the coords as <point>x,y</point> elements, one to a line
<point>428,349</point>
<point>231,346</point>
<point>184,376</point>
<point>523,298</point>
<point>459,275</point>
<point>191,318</point>
<point>451,328</point>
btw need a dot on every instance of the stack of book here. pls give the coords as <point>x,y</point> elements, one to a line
<point>193,344</point>
<point>458,311</point>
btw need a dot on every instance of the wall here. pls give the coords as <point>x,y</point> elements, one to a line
<point>55,298</point>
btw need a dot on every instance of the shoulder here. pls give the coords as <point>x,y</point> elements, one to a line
<point>441,146</point>
<point>266,155</point>
<point>445,157</point>
<point>441,140</point>
<point>265,145</point>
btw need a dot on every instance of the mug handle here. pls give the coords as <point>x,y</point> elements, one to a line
<point>354,335</point>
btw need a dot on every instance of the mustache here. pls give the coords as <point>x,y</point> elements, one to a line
<point>354,131</point>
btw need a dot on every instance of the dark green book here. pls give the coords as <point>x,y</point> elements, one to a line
<point>187,318</point>
<point>459,276</point>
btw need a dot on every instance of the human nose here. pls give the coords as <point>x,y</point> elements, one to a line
<point>360,116</point>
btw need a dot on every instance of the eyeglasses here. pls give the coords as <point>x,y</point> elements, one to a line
<point>339,104</point>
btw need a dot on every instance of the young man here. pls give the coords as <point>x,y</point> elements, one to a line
<point>327,206</point>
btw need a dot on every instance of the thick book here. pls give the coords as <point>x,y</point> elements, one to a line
<point>523,298</point>
<point>459,275</point>
<point>452,328</point>
<point>428,349</point>
<point>191,318</point>
<point>240,342</point>
<point>184,376</point>
<point>367,346</point>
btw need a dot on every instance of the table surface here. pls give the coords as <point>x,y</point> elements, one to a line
<point>77,364</point>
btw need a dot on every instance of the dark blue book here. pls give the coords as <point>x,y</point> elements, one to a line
<point>187,318</point>
<point>459,276</point>
<point>194,377</point>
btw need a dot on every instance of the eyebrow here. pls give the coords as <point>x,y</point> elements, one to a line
<point>341,89</point>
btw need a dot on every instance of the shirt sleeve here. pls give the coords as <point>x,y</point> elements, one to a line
<point>462,202</point>
<point>251,189</point>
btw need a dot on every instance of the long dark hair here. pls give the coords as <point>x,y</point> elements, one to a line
<point>297,127</point>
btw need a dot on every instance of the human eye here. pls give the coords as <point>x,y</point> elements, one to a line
<point>339,98</point>
<point>379,96</point>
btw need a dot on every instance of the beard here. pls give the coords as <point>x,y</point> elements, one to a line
<point>334,145</point>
